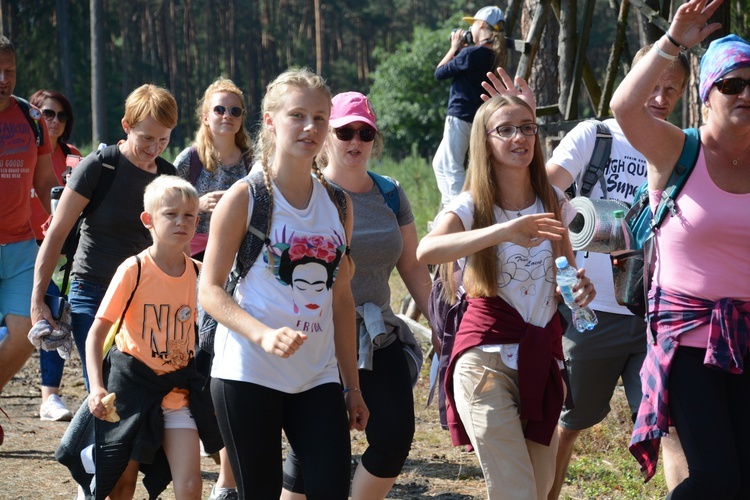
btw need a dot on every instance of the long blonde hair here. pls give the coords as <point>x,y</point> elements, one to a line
<point>265,142</point>
<point>480,272</point>
<point>204,144</point>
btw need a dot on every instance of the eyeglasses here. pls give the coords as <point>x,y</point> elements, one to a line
<point>235,111</point>
<point>731,86</point>
<point>49,114</point>
<point>366,134</point>
<point>508,131</point>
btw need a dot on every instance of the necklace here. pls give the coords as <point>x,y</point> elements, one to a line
<point>523,206</point>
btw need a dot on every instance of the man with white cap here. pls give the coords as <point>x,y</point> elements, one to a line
<point>468,68</point>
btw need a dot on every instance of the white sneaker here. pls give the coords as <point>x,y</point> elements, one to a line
<point>54,409</point>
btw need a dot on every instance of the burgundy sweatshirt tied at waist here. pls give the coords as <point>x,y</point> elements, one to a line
<point>492,320</point>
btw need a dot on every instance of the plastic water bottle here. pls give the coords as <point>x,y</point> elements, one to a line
<point>620,237</point>
<point>583,317</point>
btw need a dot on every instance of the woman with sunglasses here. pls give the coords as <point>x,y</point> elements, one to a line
<point>221,154</point>
<point>503,384</point>
<point>389,356</point>
<point>697,370</point>
<point>58,114</point>
<point>112,232</point>
<point>219,157</point>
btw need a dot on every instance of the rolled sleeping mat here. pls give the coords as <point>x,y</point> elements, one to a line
<point>590,229</point>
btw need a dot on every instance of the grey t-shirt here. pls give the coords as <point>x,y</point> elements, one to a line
<point>376,243</point>
<point>114,231</point>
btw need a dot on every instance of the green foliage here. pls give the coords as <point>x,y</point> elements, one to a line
<point>409,102</point>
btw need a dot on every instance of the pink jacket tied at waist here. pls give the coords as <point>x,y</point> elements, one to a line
<point>671,315</point>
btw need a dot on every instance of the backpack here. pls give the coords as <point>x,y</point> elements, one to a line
<point>445,318</point>
<point>387,188</point>
<point>597,164</point>
<point>631,268</point>
<point>250,248</point>
<point>109,158</point>
<point>32,116</point>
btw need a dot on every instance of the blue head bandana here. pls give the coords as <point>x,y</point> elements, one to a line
<point>723,55</point>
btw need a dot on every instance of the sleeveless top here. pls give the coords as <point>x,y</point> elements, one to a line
<point>294,290</point>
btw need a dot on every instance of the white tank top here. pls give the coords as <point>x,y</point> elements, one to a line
<point>296,292</point>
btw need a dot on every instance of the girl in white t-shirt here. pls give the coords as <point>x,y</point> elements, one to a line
<point>505,229</point>
<point>287,335</point>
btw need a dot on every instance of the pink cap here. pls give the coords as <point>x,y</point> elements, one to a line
<point>350,107</point>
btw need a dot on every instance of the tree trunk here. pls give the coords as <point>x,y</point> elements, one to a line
<point>98,82</point>
<point>318,38</point>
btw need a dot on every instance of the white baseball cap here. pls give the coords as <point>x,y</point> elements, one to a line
<point>491,14</point>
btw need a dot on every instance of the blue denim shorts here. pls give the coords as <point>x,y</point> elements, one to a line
<point>17,277</point>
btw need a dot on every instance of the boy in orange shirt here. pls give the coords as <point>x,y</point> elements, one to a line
<point>157,292</point>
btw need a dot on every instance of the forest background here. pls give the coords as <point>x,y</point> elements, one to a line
<point>385,48</point>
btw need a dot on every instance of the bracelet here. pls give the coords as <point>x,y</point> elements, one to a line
<point>663,54</point>
<point>674,42</point>
<point>349,389</point>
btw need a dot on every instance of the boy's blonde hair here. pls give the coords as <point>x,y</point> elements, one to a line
<point>165,185</point>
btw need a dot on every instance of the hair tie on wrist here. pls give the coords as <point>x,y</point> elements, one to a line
<point>663,54</point>
<point>349,389</point>
<point>674,42</point>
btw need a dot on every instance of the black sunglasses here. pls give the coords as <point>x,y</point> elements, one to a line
<point>347,134</point>
<point>731,86</point>
<point>49,114</point>
<point>235,111</point>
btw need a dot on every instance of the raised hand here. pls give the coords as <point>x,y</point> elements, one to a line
<point>689,26</point>
<point>502,84</point>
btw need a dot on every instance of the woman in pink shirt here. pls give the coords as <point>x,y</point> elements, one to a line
<point>699,302</point>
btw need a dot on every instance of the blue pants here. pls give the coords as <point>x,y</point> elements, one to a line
<point>85,298</point>
<point>50,363</point>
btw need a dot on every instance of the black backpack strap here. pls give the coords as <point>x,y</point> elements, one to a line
<point>599,160</point>
<point>32,116</point>
<point>109,158</point>
<point>196,167</point>
<point>132,294</point>
<point>255,237</point>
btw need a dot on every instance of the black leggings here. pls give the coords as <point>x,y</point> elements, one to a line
<point>315,422</point>
<point>711,411</point>
<point>388,395</point>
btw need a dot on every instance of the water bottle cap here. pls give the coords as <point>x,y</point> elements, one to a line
<point>561,262</point>
<point>619,214</point>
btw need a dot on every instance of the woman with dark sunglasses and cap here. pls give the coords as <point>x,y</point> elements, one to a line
<point>696,371</point>
<point>383,238</point>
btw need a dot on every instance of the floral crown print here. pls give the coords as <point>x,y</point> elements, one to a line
<point>325,250</point>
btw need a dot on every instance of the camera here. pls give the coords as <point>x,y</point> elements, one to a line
<point>467,39</point>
